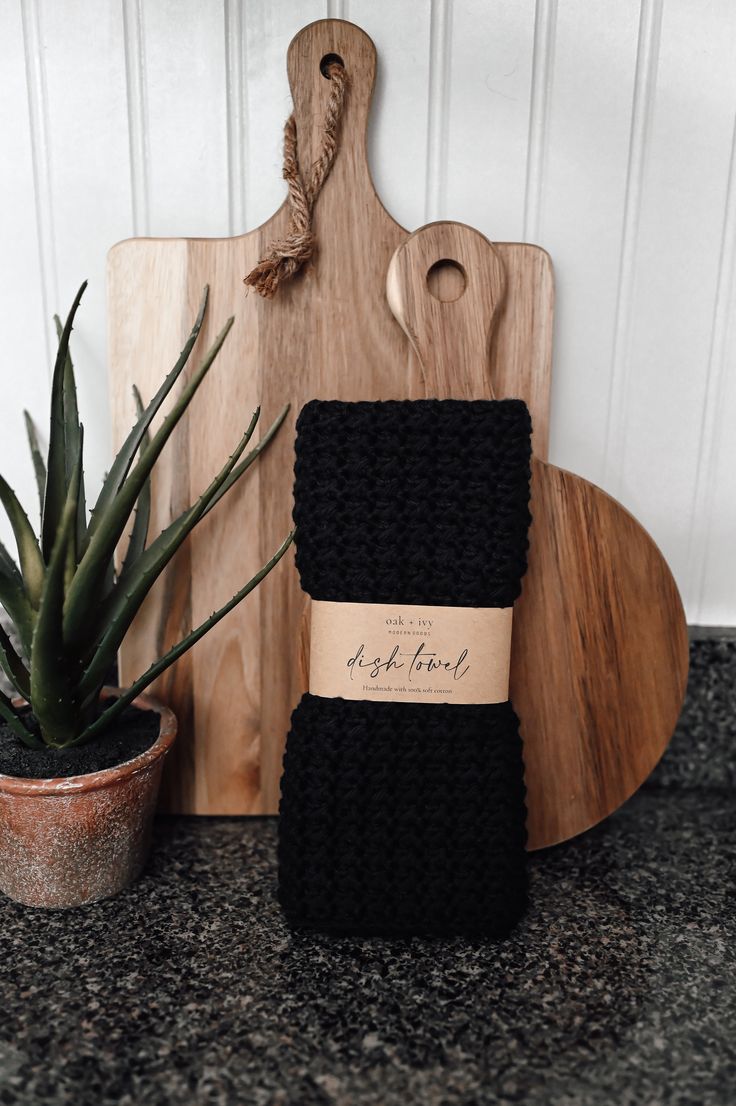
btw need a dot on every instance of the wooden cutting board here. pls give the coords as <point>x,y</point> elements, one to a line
<point>329,334</point>
<point>599,651</point>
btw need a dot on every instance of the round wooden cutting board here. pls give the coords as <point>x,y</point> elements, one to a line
<point>599,652</point>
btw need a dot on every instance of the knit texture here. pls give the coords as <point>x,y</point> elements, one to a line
<point>407,817</point>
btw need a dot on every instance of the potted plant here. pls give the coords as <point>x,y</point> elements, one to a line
<point>80,764</point>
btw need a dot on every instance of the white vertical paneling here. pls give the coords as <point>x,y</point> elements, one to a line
<point>399,122</point>
<point>135,79</point>
<point>88,178</point>
<point>603,131</point>
<point>711,565</point>
<point>440,44</point>
<point>488,116</point>
<point>23,312</point>
<point>647,59</point>
<point>269,28</point>
<point>656,436</point>
<point>580,199</point>
<point>715,597</point>
<point>38,118</point>
<point>183,44</point>
<point>237,116</point>
<point>545,32</point>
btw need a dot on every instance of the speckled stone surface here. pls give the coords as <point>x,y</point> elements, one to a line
<point>703,749</point>
<point>619,988</point>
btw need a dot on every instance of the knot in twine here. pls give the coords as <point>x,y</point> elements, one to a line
<point>286,256</point>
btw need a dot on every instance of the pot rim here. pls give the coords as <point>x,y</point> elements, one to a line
<point>93,781</point>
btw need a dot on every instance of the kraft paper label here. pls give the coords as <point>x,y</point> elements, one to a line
<point>406,653</point>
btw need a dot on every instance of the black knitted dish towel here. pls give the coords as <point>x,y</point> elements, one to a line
<point>395,817</point>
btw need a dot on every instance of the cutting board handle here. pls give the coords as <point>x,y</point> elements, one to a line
<point>445,286</point>
<point>331,39</point>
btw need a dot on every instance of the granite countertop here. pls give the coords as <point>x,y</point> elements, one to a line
<point>618,988</point>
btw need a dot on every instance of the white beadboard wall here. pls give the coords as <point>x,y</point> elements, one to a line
<point>602,131</point>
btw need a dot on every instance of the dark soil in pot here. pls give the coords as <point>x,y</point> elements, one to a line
<point>133,732</point>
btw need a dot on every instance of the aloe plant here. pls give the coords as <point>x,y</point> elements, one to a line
<point>68,605</point>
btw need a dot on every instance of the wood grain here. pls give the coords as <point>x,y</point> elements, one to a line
<point>599,649</point>
<point>328,334</point>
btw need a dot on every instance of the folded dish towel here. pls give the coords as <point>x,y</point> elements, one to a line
<point>407,817</point>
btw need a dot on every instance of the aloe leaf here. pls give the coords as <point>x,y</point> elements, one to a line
<point>85,586</point>
<point>251,457</point>
<point>9,715</point>
<point>160,666</point>
<point>13,666</point>
<point>54,703</point>
<point>58,466</point>
<point>29,555</point>
<point>39,466</point>
<point>73,435</point>
<point>132,588</point>
<point>124,459</point>
<point>82,536</point>
<point>14,599</point>
<point>69,395</point>
<point>76,480</point>
<point>59,332</point>
<point>139,535</point>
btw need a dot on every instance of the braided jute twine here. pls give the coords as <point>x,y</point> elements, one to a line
<point>286,256</point>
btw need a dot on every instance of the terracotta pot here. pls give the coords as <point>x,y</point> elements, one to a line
<point>65,842</point>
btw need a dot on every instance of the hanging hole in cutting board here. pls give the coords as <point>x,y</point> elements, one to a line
<point>327,61</point>
<point>447,280</point>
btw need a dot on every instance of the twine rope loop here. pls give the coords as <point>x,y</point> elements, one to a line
<point>286,256</point>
